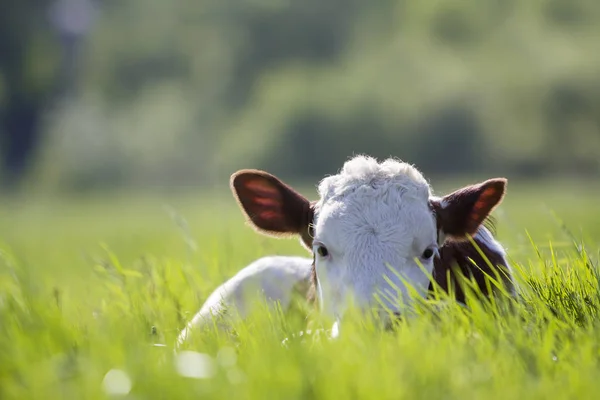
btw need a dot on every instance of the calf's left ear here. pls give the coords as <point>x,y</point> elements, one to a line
<point>460,213</point>
<point>271,206</point>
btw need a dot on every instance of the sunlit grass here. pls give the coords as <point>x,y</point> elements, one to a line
<point>93,295</point>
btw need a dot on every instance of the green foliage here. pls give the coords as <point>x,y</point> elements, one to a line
<point>192,90</point>
<point>93,292</point>
<point>29,65</point>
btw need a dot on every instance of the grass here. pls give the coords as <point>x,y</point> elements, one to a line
<point>90,286</point>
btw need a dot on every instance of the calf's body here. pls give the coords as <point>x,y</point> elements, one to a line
<point>481,260</point>
<point>277,278</point>
<point>372,216</point>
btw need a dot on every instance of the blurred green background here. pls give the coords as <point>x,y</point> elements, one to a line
<point>152,93</point>
<point>122,120</point>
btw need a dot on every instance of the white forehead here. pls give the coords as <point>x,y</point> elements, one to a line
<point>387,199</point>
<point>362,171</point>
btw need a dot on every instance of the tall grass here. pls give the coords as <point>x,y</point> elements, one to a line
<point>93,296</point>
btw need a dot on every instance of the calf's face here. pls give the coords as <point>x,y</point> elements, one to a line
<point>375,228</point>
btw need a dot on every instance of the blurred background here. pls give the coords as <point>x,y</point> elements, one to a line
<point>107,94</point>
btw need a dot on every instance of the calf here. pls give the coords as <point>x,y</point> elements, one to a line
<point>370,216</point>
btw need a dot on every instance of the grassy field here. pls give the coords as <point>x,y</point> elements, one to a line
<point>88,286</point>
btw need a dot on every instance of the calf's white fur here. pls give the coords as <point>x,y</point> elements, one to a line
<point>370,217</point>
<point>274,277</point>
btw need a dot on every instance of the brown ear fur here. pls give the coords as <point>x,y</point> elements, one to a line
<point>272,207</point>
<point>462,212</point>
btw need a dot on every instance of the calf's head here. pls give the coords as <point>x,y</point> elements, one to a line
<point>370,218</point>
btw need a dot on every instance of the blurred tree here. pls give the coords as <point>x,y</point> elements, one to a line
<point>303,31</point>
<point>188,91</point>
<point>28,68</point>
<point>451,142</point>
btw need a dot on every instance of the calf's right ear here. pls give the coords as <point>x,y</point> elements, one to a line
<point>272,207</point>
<point>462,212</point>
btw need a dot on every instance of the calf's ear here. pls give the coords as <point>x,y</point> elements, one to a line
<point>460,213</point>
<point>271,206</point>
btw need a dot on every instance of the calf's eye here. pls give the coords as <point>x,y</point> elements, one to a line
<point>322,251</point>
<point>428,253</point>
